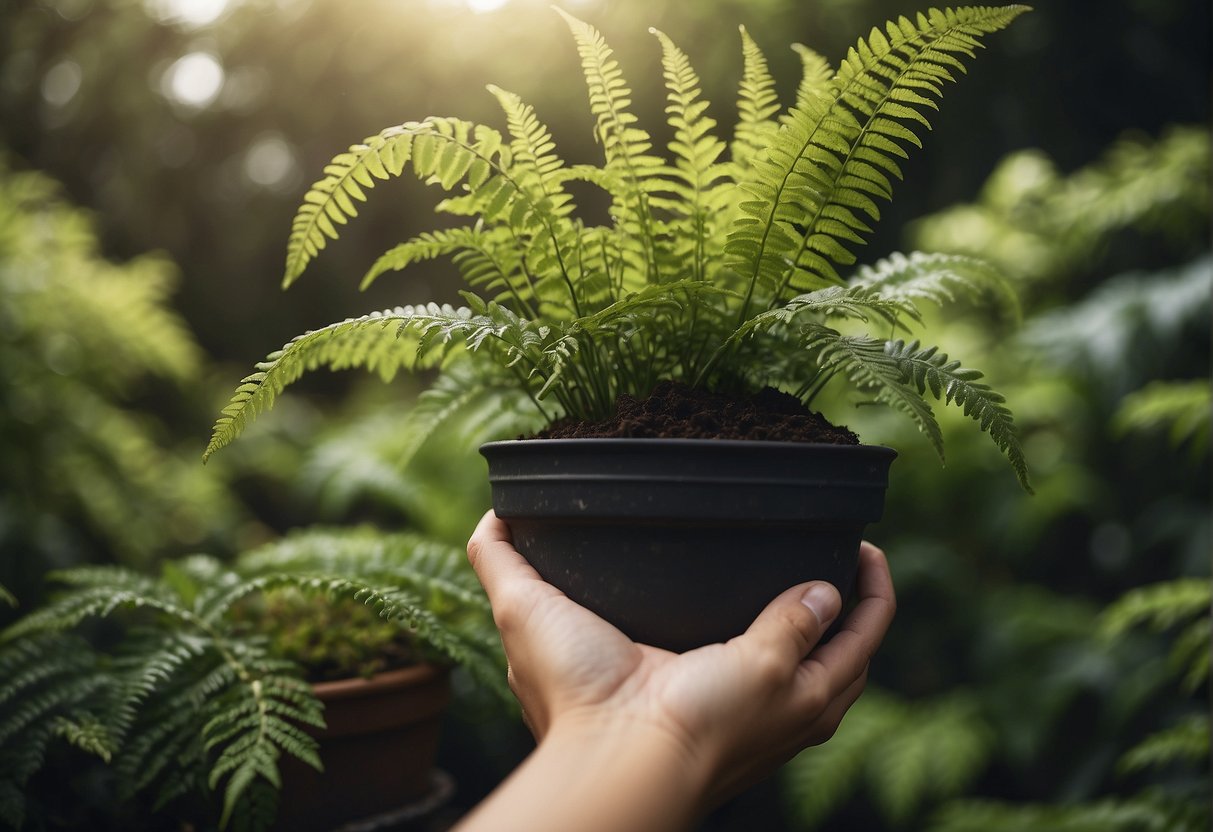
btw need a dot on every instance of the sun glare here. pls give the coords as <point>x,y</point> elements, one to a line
<point>483,6</point>
<point>194,80</point>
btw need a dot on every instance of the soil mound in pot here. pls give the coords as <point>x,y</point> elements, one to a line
<point>677,411</point>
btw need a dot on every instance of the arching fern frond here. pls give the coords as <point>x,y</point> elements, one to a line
<point>442,151</point>
<point>930,369</point>
<point>830,160</point>
<point>331,200</point>
<point>1185,742</point>
<point>1180,407</point>
<point>382,342</point>
<point>1157,606</point>
<point>872,369</point>
<point>429,245</point>
<point>939,279</point>
<point>856,302</point>
<point>907,755</point>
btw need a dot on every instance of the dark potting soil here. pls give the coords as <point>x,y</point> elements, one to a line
<point>677,411</point>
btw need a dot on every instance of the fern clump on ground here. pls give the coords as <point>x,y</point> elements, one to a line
<point>720,272</point>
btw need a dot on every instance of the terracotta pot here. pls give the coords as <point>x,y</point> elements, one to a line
<point>378,749</point>
<point>682,542</point>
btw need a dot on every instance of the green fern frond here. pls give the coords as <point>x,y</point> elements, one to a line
<point>857,302</point>
<point>1181,407</point>
<point>939,279</point>
<point>1146,813</point>
<point>45,676</point>
<point>757,104</point>
<point>1185,742</point>
<point>92,602</point>
<point>816,73</point>
<point>425,565</point>
<point>930,369</point>
<point>934,754</point>
<point>86,733</point>
<point>822,778</point>
<point>444,151</point>
<point>382,342</point>
<point>431,245</point>
<point>695,151</point>
<point>331,199</point>
<point>832,159</point>
<point>872,368</point>
<point>7,597</point>
<point>626,147</point>
<point>907,755</point>
<point>1157,606</point>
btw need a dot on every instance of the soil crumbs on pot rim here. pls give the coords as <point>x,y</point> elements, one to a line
<point>677,411</point>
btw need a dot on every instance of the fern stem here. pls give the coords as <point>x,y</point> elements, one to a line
<point>810,390</point>
<point>526,388</point>
<point>524,308</point>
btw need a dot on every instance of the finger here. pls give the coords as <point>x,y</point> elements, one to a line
<point>824,726</point>
<point>793,623</point>
<point>494,558</point>
<point>841,661</point>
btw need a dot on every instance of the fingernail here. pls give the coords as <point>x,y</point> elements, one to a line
<point>823,600</point>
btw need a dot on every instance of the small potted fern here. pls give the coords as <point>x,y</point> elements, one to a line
<point>715,282</point>
<point>200,694</point>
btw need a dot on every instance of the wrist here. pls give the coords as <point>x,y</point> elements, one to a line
<point>665,758</point>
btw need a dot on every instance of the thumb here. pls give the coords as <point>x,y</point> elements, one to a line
<point>793,623</point>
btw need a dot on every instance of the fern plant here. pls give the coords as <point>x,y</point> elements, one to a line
<point>718,272</point>
<point>188,698</point>
<point>1178,803</point>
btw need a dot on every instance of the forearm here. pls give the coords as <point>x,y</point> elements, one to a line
<point>625,778</point>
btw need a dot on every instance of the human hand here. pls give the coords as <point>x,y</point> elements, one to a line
<point>731,712</point>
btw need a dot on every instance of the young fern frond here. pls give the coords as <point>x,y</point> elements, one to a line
<point>695,151</point>
<point>757,104</point>
<point>929,369</point>
<point>830,160</point>
<point>816,73</point>
<point>625,146</point>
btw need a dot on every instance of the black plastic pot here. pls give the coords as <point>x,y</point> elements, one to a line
<point>682,542</point>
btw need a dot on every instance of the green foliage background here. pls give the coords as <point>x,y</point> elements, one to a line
<point>1074,155</point>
